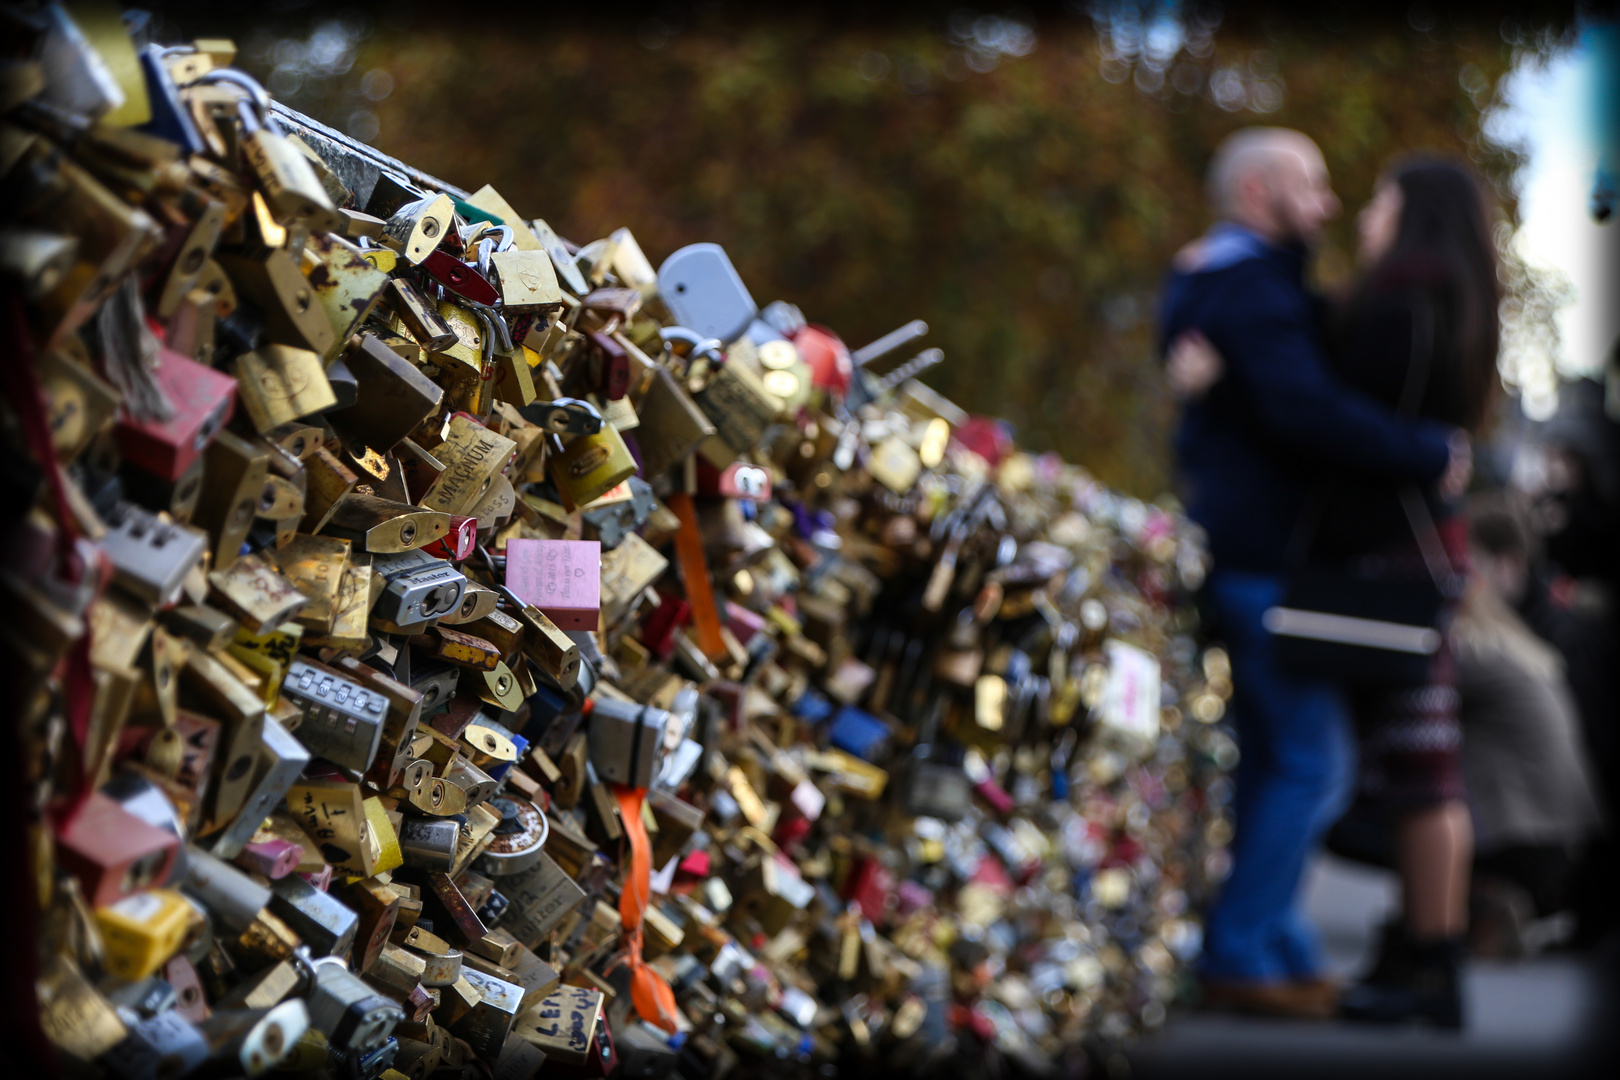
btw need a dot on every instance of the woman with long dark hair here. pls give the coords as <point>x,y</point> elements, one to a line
<point>1420,321</point>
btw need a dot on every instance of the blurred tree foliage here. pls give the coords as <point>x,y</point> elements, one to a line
<point>1020,185</point>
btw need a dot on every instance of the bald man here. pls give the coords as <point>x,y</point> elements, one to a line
<point>1246,453</point>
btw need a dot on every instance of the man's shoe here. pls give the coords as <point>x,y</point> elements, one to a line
<point>1305,999</point>
<point>1429,990</point>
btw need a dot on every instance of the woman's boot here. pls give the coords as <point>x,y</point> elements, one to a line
<point>1424,985</point>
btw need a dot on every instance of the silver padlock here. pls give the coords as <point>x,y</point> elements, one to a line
<point>323,922</point>
<point>354,1017</point>
<point>418,588</point>
<point>626,741</point>
<point>343,721</point>
<point>705,293</point>
<point>151,556</point>
<point>429,843</point>
<point>282,759</point>
<point>163,1046</point>
<point>230,896</point>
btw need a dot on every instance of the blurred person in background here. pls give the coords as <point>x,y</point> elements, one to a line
<point>1571,599</point>
<point>1529,782</point>
<point>1425,254</point>
<point>1247,453</point>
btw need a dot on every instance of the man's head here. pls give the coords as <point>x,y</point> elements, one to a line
<point>1273,181</point>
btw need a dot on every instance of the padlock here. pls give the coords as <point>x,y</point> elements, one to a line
<point>322,922</point>
<point>591,465</point>
<point>459,278</point>
<point>705,293</point>
<point>315,566</point>
<point>417,588</point>
<point>281,383</point>
<point>353,1016</point>
<point>473,782</point>
<point>233,899</point>
<point>564,416</point>
<point>393,396</point>
<point>429,844</point>
<point>487,1024</point>
<point>342,721</point>
<point>418,227</point>
<point>158,1044</point>
<point>387,527</point>
<point>150,555</point>
<point>564,1024</point>
<point>518,840</point>
<point>284,175</point>
<point>736,401</point>
<point>252,592</point>
<point>420,317</point>
<point>626,741</point>
<point>276,286</point>
<point>527,278</point>
<point>442,962</point>
<point>562,578</point>
<point>141,931</point>
<point>457,542</point>
<point>280,760</point>
<point>53,193</point>
<point>332,814</point>
<point>327,480</point>
<point>609,366</point>
<point>472,456</point>
<point>202,399</point>
<point>347,287</point>
<point>234,480</point>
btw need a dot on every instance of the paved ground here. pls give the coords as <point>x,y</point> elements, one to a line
<point>1541,1017</point>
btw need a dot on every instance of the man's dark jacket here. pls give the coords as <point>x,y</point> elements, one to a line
<point>1248,450</point>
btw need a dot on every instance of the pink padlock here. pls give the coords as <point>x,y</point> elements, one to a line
<point>273,857</point>
<point>563,578</point>
<point>322,879</point>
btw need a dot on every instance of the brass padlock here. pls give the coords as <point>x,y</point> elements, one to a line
<point>472,455</point>
<point>590,466</point>
<point>282,383</point>
<point>384,526</point>
<point>277,286</point>
<point>393,398</point>
<point>421,318</point>
<point>418,227</point>
<point>234,479</point>
<point>285,176</point>
<point>347,287</point>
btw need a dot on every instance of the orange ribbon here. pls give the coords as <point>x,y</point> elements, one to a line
<point>649,993</point>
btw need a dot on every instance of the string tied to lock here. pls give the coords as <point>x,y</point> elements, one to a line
<point>654,1001</point>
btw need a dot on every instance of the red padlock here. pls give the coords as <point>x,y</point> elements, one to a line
<point>463,280</point>
<point>113,853</point>
<point>458,543</point>
<point>871,885</point>
<point>610,364</point>
<point>203,401</point>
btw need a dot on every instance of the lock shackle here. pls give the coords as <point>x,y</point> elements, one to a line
<point>556,439</point>
<point>479,230</point>
<point>697,345</point>
<point>257,93</point>
<point>495,327</point>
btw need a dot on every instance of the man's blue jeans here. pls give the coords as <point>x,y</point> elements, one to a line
<point>1293,779</point>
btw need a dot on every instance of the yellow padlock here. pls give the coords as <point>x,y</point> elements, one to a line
<point>141,932</point>
<point>591,465</point>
